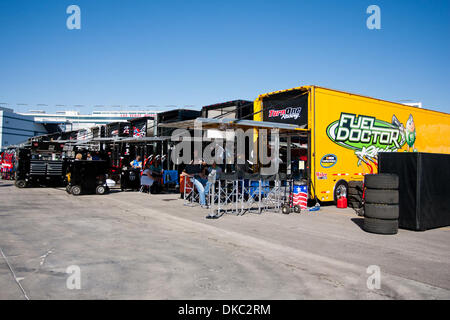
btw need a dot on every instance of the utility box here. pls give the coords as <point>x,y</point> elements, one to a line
<point>424,188</point>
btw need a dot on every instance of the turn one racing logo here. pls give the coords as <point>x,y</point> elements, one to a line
<point>287,113</point>
<point>367,136</point>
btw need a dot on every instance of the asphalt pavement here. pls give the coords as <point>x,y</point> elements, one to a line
<point>130,245</point>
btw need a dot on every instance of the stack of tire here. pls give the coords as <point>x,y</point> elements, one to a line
<point>355,194</point>
<point>381,203</point>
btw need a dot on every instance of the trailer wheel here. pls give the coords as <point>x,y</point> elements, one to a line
<point>381,196</point>
<point>68,187</point>
<point>384,181</point>
<point>380,226</point>
<point>340,190</point>
<point>285,209</point>
<point>21,183</point>
<point>76,190</point>
<point>100,189</point>
<point>297,209</point>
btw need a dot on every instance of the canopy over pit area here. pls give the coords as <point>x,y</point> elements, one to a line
<point>258,171</point>
<point>207,130</point>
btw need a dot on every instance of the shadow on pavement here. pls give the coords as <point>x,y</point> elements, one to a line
<point>359,222</point>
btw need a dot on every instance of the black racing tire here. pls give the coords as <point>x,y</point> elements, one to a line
<point>357,185</point>
<point>355,204</point>
<point>385,181</point>
<point>354,192</point>
<point>381,196</point>
<point>75,190</point>
<point>297,209</point>
<point>380,226</point>
<point>353,197</point>
<point>21,184</point>
<point>381,211</point>
<point>285,209</point>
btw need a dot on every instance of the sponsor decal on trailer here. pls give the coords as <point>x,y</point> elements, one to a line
<point>322,175</point>
<point>286,113</point>
<point>367,136</point>
<point>328,161</point>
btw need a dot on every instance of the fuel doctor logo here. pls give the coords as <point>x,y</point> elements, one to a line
<point>366,136</point>
<point>356,132</point>
<point>287,113</point>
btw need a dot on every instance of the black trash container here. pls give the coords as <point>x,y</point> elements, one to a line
<point>130,179</point>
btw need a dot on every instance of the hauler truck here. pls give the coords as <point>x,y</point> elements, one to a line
<point>345,132</point>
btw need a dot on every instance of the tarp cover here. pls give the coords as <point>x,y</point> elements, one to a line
<point>287,107</point>
<point>424,188</point>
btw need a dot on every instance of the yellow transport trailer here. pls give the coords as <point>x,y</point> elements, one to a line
<point>346,131</point>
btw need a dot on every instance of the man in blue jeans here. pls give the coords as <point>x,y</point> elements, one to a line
<point>202,184</point>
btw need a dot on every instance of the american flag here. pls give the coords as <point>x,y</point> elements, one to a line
<point>126,130</point>
<point>300,196</point>
<point>82,135</point>
<point>115,132</point>
<point>138,132</point>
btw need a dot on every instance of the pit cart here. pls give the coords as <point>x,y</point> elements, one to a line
<point>130,179</point>
<point>33,170</point>
<point>295,196</point>
<point>87,177</point>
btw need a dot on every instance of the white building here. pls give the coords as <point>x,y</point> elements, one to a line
<point>73,120</point>
<point>17,128</point>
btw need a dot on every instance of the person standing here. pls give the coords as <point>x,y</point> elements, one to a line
<point>136,163</point>
<point>202,183</point>
<point>147,179</point>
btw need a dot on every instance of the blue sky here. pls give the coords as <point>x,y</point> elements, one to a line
<point>194,53</point>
